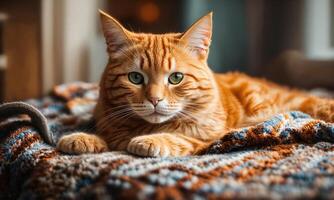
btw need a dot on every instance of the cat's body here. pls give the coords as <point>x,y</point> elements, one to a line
<point>158,97</point>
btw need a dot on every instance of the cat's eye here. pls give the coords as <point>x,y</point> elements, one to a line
<point>136,78</point>
<point>175,78</point>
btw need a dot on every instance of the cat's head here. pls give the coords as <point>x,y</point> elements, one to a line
<point>158,76</point>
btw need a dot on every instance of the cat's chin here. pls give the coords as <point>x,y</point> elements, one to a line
<point>156,118</point>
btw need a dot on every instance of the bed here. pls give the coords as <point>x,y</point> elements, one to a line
<point>290,156</point>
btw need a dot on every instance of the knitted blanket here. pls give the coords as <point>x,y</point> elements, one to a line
<point>290,156</point>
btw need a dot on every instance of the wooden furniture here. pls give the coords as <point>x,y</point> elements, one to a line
<point>3,62</point>
<point>21,78</point>
<point>292,68</point>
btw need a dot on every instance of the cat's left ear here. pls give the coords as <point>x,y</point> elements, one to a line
<point>198,37</point>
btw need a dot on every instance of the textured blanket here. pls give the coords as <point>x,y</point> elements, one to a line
<point>289,156</point>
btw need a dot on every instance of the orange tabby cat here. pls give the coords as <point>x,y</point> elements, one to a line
<point>158,97</point>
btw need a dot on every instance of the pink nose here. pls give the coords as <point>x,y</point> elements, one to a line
<point>155,100</point>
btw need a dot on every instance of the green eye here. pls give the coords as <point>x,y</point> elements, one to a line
<point>136,78</point>
<point>175,78</point>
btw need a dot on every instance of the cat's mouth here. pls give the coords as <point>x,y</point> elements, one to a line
<point>158,114</point>
<point>157,117</point>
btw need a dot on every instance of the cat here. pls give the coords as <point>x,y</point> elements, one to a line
<point>158,97</point>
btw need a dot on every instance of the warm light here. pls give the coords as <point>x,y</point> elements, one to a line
<point>149,12</point>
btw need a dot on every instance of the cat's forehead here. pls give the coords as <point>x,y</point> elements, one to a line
<point>151,60</point>
<point>154,42</point>
<point>156,52</point>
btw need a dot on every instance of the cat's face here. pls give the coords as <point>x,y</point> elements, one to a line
<point>158,77</point>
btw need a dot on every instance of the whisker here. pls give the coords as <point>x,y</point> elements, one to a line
<point>115,114</point>
<point>114,108</point>
<point>190,116</point>
<point>106,119</point>
<point>183,116</point>
<point>103,124</point>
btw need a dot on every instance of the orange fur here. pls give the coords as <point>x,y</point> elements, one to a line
<point>78,143</point>
<point>195,112</point>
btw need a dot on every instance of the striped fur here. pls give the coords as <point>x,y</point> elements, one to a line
<point>290,156</point>
<point>189,116</point>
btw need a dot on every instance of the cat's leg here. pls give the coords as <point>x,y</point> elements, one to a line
<point>165,144</point>
<point>79,143</point>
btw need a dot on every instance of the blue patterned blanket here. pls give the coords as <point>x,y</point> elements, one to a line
<point>289,156</point>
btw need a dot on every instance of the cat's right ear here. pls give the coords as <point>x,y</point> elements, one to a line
<point>117,37</point>
<point>198,37</point>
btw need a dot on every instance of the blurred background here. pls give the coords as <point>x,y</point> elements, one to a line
<point>49,42</point>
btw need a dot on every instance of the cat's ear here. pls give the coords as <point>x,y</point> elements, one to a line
<point>117,37</point>
<point>198,37</point>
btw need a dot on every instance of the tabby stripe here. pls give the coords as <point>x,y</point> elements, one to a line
<point>164,51</point>
<point>170,63</point>
<point>289,98</point>
<point>115,65</point>
<point>187,84</point>
<point>117,87</point>
<point>205,88</point>
<point>118,131</point>
<point>117,75</point>
<point>141,62</point>
<point>195,66</point>
<point>148,59</point>
<point>120,96</point>
<point>197,88</point>
<point>149,44</point>
<point>174,40</point>
<point>113,80</point>
<point>205,99</point>
<point>156,54</point>
<point>177,126</point>
<point>194,77</point>
<point>248,93</point>
<point>140,128</point>
<point>118,136</point>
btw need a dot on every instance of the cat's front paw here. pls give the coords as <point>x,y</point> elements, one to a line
<point>158,145</point>
<point>79,143</point>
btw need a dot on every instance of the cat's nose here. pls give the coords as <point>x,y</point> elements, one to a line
<point>155,100</point>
